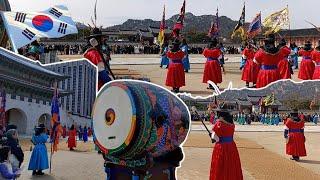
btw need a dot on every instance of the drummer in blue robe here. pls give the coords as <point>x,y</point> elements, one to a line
<point>262,118</point>
<point>277,119</point>
<point>39,157</point>
<point>272,118</point>
<point>164,58</point>
<point>185,48</point>
<point>267,119</point>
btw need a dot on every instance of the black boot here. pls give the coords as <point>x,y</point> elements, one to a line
<point>40,173</point>
<point>247,84</point>
<point>34,172</point>
<point>210,87</point>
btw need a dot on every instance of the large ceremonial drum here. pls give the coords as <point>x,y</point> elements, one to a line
<point>135,121</point>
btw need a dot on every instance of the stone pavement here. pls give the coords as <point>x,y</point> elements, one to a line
<point>252,145</point>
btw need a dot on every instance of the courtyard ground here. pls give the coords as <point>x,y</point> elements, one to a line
<point>261,152</point>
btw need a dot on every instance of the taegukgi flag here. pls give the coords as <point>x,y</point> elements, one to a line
<point>26,27</point>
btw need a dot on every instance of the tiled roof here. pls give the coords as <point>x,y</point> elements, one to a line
<point>27,63</point>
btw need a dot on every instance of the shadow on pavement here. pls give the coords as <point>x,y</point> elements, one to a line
<point>309,161</point>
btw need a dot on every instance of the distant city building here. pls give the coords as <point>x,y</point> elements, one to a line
<point>81,82</point>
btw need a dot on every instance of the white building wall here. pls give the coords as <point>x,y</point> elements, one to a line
<point>33,111</point>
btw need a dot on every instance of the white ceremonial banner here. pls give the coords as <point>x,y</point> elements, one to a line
<point>26,27</point>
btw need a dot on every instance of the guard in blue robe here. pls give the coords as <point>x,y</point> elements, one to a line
<point>277,119</point>
<point>243,60</point>
<point>39,157</point>
<point>262,118</point>
<point>185,61</point>
<point>164,58</point>
<point>294,55</point>
<point>85,134</point>
<point>242,119</point>
<point>80,133</point>
<point>315,118</point>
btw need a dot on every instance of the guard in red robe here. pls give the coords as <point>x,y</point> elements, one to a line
<point>212,70</point>
<point>315,56</point>
<point>72,143</point>
<point>307,66</point>
<point>89,132</point>
<point>225,163</point>
<point>175,74</point>
<point>251,70</point>
<point>284,65</point>
<point>95,55</point>
<point>269,58</point>
<point>294,134</point>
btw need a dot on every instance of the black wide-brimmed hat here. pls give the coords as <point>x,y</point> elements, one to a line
<point>282,42</point>
<point>11,126</point>
<point>270,38</point>
<point>41,126</point>
<point>214,41</point>
<point>222,111</point>
<point>95,32</point>
<point>308,45</point>
<point>294,113</point>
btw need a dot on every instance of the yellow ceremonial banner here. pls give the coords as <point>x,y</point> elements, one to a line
<point>239,32</point>
<point>161,37</point>
<point>276,21</point>
<point>269,100</point>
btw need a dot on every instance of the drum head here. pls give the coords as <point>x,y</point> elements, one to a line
<point>114,119</point>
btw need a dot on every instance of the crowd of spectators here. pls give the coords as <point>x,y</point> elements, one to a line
<point>122,49</point>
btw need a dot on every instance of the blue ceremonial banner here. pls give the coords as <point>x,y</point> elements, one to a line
<point>255,27</point>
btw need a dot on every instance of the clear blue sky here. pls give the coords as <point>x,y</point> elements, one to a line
<point>111,12</point>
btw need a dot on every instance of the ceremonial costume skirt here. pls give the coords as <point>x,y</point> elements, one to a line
<point>284,69</point>
<point>175,75</point>
<point>250,71</point>
<point>72,142</point>
<point>316,74</point>
<point>225,163</point>
<point>39,158</point>
<point>267,75</point>
<point>306,69</point>
<point>212,72</point>
<point>295,145</point>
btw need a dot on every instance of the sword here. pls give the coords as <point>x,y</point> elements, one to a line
<point>209,132</point>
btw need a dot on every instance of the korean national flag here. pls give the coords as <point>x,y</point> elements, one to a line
<point>25,27</point>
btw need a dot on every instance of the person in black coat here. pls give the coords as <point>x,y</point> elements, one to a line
<point>16,151</point>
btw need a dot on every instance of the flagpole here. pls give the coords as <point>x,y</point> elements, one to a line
<point>55,84</point>
<point>290,37</point>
